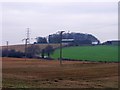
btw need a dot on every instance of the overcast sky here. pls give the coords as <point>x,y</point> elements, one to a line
<point>97,18</point>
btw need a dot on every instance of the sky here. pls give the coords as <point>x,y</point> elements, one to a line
<point>43,18</point>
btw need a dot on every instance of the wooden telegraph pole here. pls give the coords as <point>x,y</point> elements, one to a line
<point>61,32</point>
<point>26,48</point>
<point>7,47</point>
<point>26,40</point>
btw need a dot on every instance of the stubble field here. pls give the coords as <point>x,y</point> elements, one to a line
<point>34,73</point>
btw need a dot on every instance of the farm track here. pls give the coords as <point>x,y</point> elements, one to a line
<point>35,73</point>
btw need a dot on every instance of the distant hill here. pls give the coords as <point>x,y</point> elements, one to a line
<point>54,40</point>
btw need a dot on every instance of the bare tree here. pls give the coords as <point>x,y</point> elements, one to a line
<point>49,50</point>
<point>33,51</point>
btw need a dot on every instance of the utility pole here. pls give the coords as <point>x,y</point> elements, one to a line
<point>7,47</point>
<point>61,32</point>
<point>25,49</point>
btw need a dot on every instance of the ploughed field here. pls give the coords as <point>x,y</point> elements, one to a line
<point>37,73</point>
<point>108,53</point>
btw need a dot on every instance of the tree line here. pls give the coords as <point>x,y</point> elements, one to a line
<point>78,39</point>
<point>32,51</point>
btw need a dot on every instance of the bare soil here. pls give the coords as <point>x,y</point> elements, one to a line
<point>36,73</point>
<point>21,47</point>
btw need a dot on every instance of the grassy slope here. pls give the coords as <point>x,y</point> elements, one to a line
<point>92,53</point>
<point>21,47</point>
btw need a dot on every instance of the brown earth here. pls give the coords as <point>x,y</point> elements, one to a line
<point>21,47</point>
<point>36,73</point>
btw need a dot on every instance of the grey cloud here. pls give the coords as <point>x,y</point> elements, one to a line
<point>46,18</point>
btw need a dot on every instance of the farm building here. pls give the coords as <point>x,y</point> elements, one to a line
<point>113,42</point>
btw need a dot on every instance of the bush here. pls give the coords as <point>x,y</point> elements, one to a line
<point>32,51</point>
<point>49,50</point>
<point>12,53</point>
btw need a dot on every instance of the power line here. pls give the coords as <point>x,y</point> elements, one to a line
<point>27,41</point>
